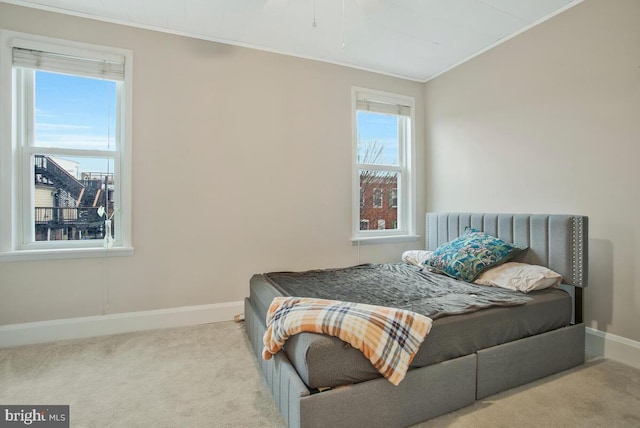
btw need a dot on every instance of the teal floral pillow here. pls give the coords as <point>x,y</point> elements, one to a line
<point>469,255</point>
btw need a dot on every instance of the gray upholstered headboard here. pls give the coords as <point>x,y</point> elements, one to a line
<point>557,241</point>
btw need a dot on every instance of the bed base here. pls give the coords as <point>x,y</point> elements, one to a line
<point>425,392</point>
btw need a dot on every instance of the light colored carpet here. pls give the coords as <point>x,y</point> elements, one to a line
<point>206,376</point>
<point>601,393</point>
<point>201,376</point>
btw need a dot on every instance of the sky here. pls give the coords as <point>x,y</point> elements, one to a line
<point>76,112</point>
<point>381,128</point>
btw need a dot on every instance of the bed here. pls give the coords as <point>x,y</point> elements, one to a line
<point>319,380</point>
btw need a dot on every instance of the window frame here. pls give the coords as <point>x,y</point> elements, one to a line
<point>16,151</point>
<point>405,170</point>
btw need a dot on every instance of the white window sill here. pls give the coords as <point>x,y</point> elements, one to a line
<point>366,240</point>
<point>66,253</point>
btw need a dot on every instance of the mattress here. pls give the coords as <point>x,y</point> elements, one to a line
<point>324,361</point>
<point>395,285</point>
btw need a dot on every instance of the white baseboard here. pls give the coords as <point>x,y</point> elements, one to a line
<point>603,344</point>
<point>75,328</point>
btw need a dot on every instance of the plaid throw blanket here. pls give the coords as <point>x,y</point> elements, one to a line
<point>388,337</point>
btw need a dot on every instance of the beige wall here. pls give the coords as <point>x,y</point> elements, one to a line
<point>550,122</point>
<point>255,145</point>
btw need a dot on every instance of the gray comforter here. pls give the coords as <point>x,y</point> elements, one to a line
<point>396,285</point>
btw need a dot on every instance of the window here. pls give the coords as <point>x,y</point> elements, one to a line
<point>393,198</point>
<point>65,140</point>
<point>382,160</point>
<point>377,198</point>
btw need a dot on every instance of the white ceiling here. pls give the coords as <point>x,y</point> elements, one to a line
<point>413,39</point>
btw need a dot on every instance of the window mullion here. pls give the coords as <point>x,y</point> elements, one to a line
<point>55,151</point>
<point>373,167</point>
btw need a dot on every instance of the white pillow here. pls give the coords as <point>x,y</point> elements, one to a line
<point>520,277</point>
<point>416,257</point>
